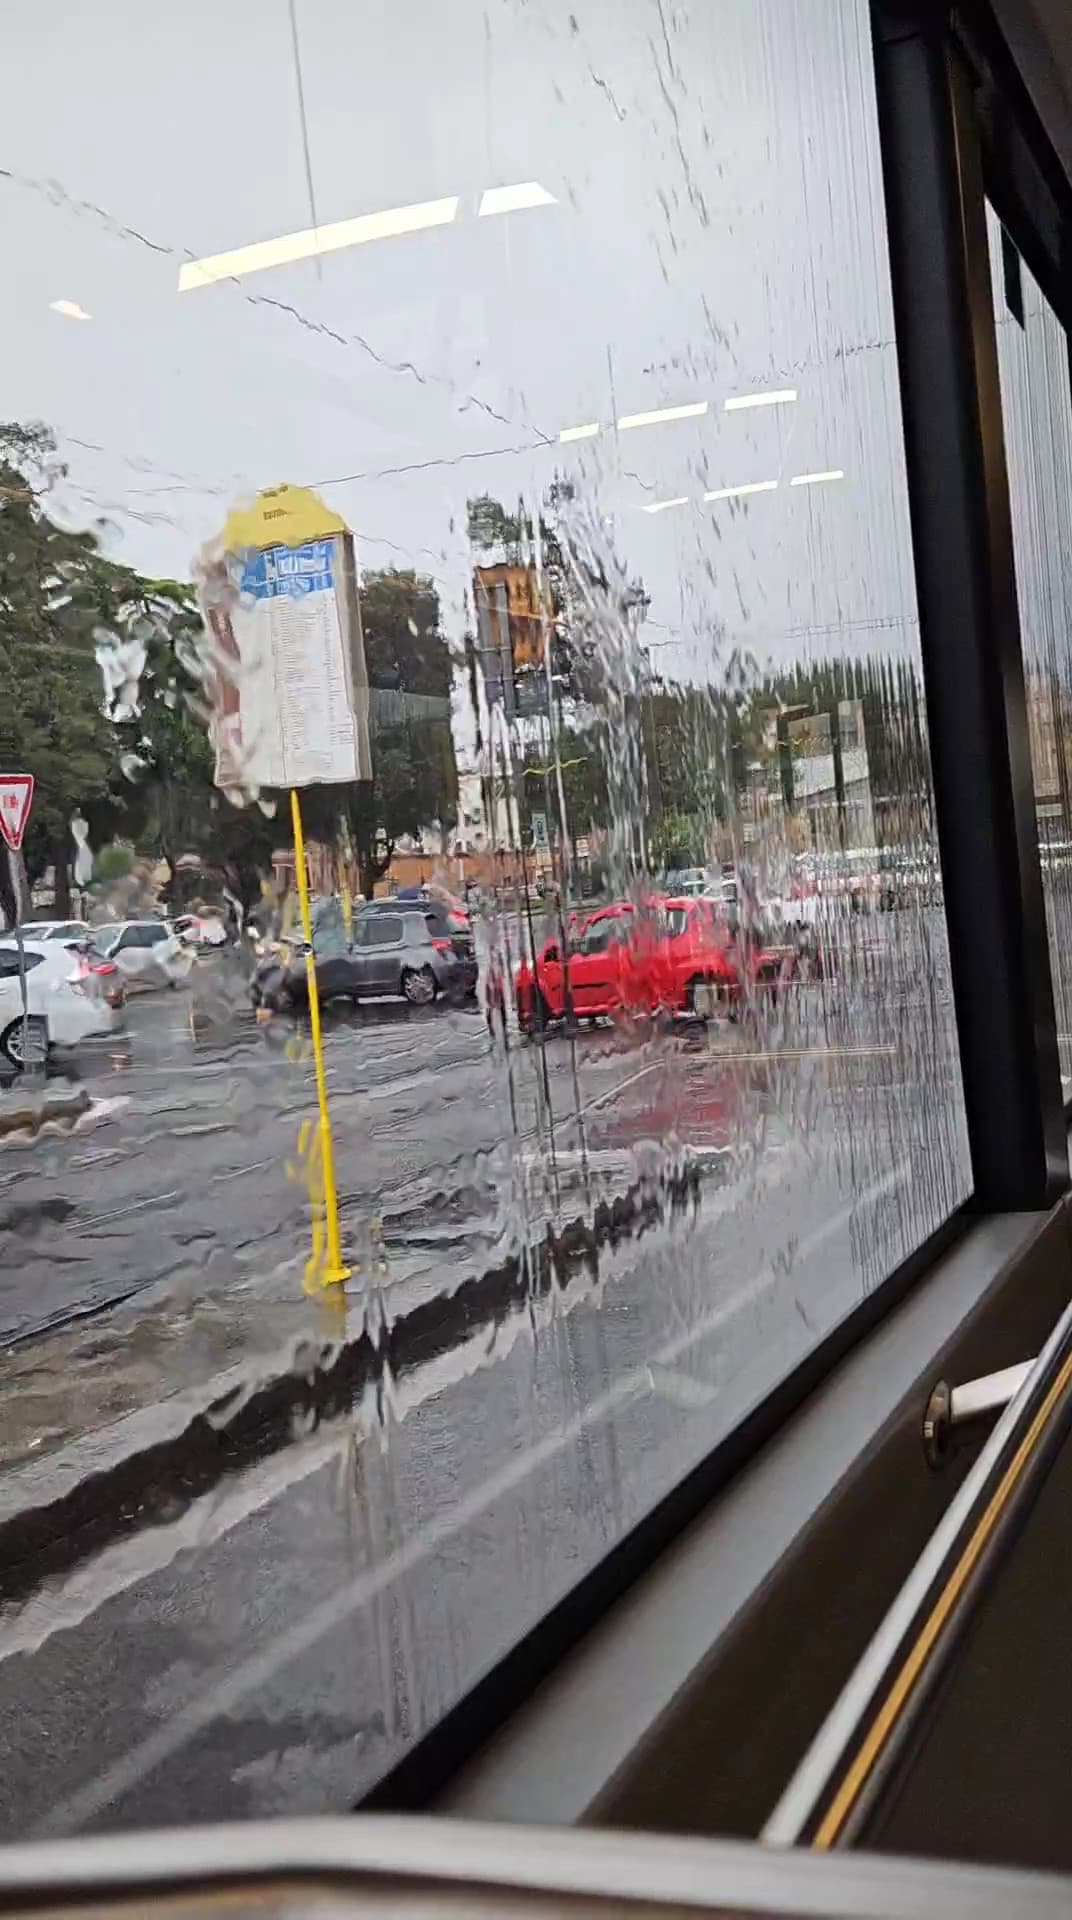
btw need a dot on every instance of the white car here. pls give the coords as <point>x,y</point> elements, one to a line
<point>201,930</point>
<point>56,930</point>
<point>148,953</point>
<point>61,1010</point>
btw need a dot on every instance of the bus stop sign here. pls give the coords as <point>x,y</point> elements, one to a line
<point>16,798</point>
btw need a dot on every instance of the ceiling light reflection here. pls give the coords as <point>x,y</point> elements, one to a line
<point>782,398</point>
<point>660,506</point>
<point>316,240</point>
<point>693,411</point>
<point>514,199</point>
<point>386,225</point>
<point>738,493</point>
<point>587,432</point>
<point>70,308</point>
<point>816,479</point>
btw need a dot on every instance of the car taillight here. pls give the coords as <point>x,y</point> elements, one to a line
<point>443,946</point>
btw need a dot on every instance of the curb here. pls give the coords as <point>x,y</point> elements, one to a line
<point>31,1115</point>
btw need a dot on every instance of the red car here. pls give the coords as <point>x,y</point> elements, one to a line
<point>671,956</point>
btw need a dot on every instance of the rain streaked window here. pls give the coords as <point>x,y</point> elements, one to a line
<point>1035,400</point>
<point>481,423</point>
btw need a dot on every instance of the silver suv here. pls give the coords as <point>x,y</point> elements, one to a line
<point>391,953</point>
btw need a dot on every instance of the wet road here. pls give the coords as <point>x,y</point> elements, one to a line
<point>280,1639</point>
<point>180,1183</point>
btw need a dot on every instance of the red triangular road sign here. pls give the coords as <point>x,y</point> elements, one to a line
<point>16,796</point>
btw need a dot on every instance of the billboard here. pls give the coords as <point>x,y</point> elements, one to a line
<point>285,662</point>
<point>514,622</point>
<point>811,749</point>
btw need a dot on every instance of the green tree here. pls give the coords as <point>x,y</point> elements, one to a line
<point>113,862</point>
<point>162,787</point>
<point>165,794</point>
<point>414,783</point>
<point>405,649</point>
<point>581,764</point>
<point>137,760</point>
<point>56,589</point>
<point>688,732</point>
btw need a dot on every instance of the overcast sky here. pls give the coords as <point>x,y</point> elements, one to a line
<point>715,231</point>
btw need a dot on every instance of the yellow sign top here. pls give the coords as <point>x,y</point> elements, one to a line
<point>281,517</point>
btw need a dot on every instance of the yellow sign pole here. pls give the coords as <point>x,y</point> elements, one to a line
<point>332,1272</point>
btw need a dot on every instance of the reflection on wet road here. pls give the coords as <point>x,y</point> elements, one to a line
<point>173,1198</point>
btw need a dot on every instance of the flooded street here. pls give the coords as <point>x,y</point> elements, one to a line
<point>264,1624</point>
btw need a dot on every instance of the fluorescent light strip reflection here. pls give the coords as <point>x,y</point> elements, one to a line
<point>387,225</point>
<point>816,479</point>
<point>740,401</point>
<point>660,506</point>
<point>514,199</point>
<point>693,411</point>
<point>70,309</point>
<point>738,493</point>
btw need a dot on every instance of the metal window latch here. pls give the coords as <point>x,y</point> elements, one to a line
<point>955,1415</point>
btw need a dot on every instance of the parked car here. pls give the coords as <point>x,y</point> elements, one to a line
<point>56,930</point>
<point>688,882</point>
<point>148,953</point>
<point>201,929</point>
<point>447,918</point>
<point>786,942</point>
<point>675,955</point>
<point>391,954</point>
<point>447,915</point>
<point>100,973</point>
<point>61,1011</point>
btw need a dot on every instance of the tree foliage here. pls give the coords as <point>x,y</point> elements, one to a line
<point>55,591</point>
<point>136,759</point>
<point>404,645</point>
<point>113,862</point>
<point>139,764</point>
<point>699,747</point>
